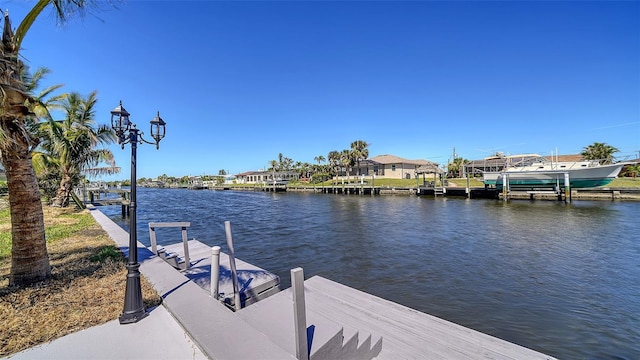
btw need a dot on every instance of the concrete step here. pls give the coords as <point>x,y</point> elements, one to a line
<point>172,259</point>
<point>350,345</point>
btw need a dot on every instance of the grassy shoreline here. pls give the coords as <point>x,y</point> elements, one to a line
<point>86,287</point>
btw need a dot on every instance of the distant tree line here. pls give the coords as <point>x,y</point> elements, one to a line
<point>336,163</point>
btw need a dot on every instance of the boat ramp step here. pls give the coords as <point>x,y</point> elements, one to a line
<point>328,339</point>
<point>172,259</point>
<point>251,297</point>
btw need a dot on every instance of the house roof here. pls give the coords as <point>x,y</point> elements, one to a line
<point>392,159</point>
<point>576,157</point>
<point>247,173</point>
<point>429,169</point>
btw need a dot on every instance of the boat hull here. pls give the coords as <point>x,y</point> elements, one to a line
<point>588,177</point>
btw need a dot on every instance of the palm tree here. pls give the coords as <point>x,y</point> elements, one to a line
<point>48,180</point>
<point>455,167</point>
<point>347,160</point>
<point>284,163</point>
<point>71,145</point>
<point>29,257</point>
<point>599,151</point>
<point>334,162</point>
<point>632,170</point>
<point>318,168</point>
<point>359,152</point>
<point>274,167</point>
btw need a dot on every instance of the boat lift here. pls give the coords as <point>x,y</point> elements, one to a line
<point>506,186</point>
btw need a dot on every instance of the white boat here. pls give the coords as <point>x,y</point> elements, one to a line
<point>539,172</point>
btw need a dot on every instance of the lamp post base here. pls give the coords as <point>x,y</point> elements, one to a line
<point>131,318</point>
<point>133,305</point>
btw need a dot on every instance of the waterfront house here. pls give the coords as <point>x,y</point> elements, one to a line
<point>263,177</point>
<point>395,167</point>
<point>219,180</point>
<point>195,182</point>
<point>154,183</point>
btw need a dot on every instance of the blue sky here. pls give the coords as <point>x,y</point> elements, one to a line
<point>240,82</point>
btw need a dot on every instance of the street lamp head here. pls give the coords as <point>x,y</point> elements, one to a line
<point>157,129</point>
<point>120,121</point>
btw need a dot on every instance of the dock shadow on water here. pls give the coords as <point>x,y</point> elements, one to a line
<point>558,278</point>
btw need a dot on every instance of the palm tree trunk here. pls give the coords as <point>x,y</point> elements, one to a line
<point>29,257</point>
<point>64,191</point>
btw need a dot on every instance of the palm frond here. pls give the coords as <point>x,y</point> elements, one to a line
<point>63,9</point>
<point>43,163</point>
<point>28,20</point>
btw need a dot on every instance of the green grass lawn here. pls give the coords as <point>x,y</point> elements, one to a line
<point>625,182</point>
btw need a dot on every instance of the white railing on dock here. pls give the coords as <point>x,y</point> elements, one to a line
<point>185,240</point>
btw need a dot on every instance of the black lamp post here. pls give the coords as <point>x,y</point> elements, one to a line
<point>128,133</point>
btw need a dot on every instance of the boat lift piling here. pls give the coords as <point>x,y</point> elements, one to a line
<point>232,264</point>
<point>505,186</point>
<point>567,187</point>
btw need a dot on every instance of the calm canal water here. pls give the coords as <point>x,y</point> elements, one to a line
<point>563,279</point>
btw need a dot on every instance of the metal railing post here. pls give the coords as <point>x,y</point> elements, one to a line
<point>232,263</point>
<point>185,242</point>
<point>152,236</point>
